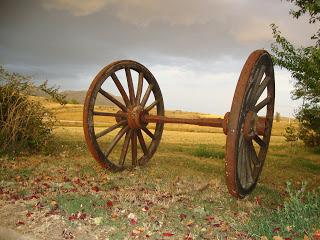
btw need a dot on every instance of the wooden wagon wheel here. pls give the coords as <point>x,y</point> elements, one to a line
<point>246,150</point>
<point>131,108</point>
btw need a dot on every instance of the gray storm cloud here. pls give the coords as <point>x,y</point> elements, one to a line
<point>68,41</point>
<point>75,7</point>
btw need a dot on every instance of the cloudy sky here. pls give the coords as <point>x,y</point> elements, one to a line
<point>195,48</point>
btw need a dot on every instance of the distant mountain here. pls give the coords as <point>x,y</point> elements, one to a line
<point>79,97</point>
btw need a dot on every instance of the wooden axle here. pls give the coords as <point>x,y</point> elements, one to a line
<point>258,124</point>
<point>209,122</point>
<point>138,118</point>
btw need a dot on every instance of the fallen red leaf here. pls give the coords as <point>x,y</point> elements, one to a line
<point>277,229</point>
<point>72,217</point>
<point>216,225</point>
<point>37,180</point>
<point>109,203</point>
<point>188,237</point>
<point>29,214</point>
<point>95,189</point>
<point>65,179</point>
<point>133,221</point>
<point>258,200</point>
<point>145,209</point>
<point>76,180</point>
<point>209,218</point>
<point>182,216</point>
<point>14,197</point>
<point>20,223</point>
<point>167,234</point>
<point>82,216</point>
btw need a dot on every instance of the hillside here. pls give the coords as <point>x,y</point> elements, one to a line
<point>79,97</point>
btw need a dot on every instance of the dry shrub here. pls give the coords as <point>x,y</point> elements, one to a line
<point>25,125</point>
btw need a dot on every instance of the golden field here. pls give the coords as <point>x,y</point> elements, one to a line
<point>177,194</point>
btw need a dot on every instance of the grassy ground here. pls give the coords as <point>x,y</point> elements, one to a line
<point>179,194</point>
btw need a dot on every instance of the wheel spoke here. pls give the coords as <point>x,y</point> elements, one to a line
<point>134,148</point>
<point>139,89</point>
<point>152,105</point>
<point>142,142</point>
<point>257,76</point>
<point>254,156</point>
<point>121,89</point>
<point>125,147</point>
<point>116,140</point>
<point>242,162</point>
<point>248,166</point>
<point>146,95</point>
<point>261,88</point>
<point>262,104</point>
<point>147,131</point>
<point>106,131</point>
<point>106,114</point>
<point>130,85</point>
<point>258,140</point>
<point>260,73</point>
<point>112,99</point>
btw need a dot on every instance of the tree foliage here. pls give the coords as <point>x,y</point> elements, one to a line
<point>290,133</point>
<point>304,65</point>
<point>310,7</point>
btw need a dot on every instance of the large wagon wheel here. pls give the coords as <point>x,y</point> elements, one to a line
<point>246,150</point>
<point>128,117</point>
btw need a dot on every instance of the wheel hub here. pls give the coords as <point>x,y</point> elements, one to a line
<point>134,117</point>
<point>250,125</point>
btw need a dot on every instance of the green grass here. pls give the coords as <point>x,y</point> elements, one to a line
<point>316,150</point>
<point>306,165</point>
<point>74,203</point>
<point>297,216</point>
<point>9,173</point>
<point>208,152</point>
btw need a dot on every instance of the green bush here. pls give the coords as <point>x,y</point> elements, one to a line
<point>25,125</point>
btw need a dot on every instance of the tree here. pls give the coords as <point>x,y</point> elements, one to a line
<point>304,65</point>
<point>290,134</point>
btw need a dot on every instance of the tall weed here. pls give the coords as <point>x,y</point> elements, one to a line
<point>25,125</point>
